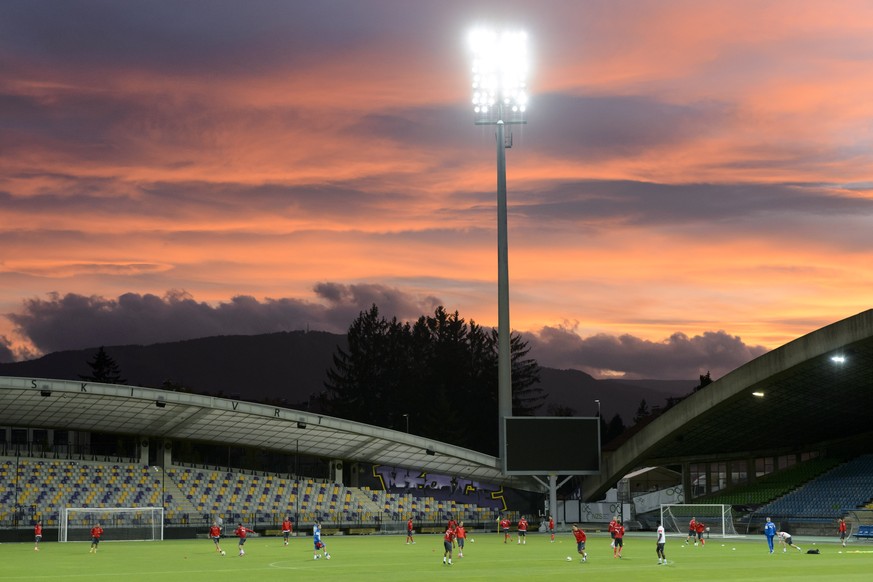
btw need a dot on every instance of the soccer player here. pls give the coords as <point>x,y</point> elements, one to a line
<point>37,535</point>
<point>461,536</point>
<point>785,540</point>
<point>286,529</point>
<point>701,527</point>
<point>841,525</point>
<point>409,532</point>
<point>552,528</point>
<point>619,539</point>
<point>770,533</point>
<point>215,534</point>
<point>317,543</point>
<point>241,532</point>
<point>611,530</point>
<point>692,531</point>
<point>522,530</point>
<point>96,532</point>
<point>580,542</point>
<point>662,540</point>
<point>448,544</point>
<point>504,526</point>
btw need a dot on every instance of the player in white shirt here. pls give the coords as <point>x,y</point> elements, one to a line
<point>785,540</point>
<point>662,539</point>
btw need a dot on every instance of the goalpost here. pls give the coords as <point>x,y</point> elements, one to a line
<point>119,523</point>
<point>718,518</point>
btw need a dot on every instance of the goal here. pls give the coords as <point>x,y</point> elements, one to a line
<point>719,519</point>
<point>118,523</point>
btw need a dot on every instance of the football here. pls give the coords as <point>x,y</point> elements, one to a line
<point>327,556</point>
<point>223,553</point>
<point>569,559</point>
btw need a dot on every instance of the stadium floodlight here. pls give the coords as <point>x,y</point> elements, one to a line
<point>500,69</point>
<point>838,359</point>
<point>500,97</point>
<point>758,394</point>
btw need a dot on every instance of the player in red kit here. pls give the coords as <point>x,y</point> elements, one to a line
<point>215,534</point>
<point>619,539</point>
<point>552,528</point>
<point>841,528</point>
<point>448,544</point>
<point>522,530</point>
<point>692,531</point>
<point>580,542</point>
<point>286,529</point>
<point>37,535</point>
<point>700,527</point>
<point>96,532</point>
<point>461,536</point>
<point>241,533</point>
<point>409,532</point>
<point>504,527</point>
<point>611,530</point>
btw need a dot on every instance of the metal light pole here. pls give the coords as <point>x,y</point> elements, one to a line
<point>500,98</point>
<point>406,416</point>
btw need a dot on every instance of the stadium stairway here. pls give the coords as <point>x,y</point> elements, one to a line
<point>178,504</point>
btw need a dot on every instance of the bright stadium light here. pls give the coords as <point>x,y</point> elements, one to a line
<point>758,394</point>
<point>500,98</point>
<point>838,359</point>
<point>500,69</point>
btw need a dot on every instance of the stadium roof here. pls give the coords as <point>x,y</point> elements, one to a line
<point>148,412</point>
<point>815,390</point>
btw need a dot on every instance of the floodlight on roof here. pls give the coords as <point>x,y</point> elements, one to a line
<point>838,359</point>
<point>500,69</point>
<point>758,394</point>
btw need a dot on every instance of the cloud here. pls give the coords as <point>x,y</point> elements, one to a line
<point>6,353</point>
<point>73,321</point>
<point>678,356</point>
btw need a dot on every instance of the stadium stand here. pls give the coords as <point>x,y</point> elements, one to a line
<point>843,488</point>
<point>43,488</point>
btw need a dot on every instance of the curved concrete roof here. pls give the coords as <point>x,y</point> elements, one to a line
<point>86,406</point>
<point>809,398</point>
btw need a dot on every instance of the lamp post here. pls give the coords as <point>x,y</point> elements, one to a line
<point>500,99</point>
<point>406,416</point>
<point>598,408</point>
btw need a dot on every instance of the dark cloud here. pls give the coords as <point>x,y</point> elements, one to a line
<point>603,127</point>
<point>712,204</point>
<point>6,353</point>
<point>72,321</point>
<point>678,356</point>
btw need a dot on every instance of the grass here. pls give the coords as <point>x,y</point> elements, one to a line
<point>388,558</point>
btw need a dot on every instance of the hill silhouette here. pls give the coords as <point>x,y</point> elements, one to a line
<point>290,368</point>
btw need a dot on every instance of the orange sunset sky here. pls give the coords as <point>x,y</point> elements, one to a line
<point>694,185</point>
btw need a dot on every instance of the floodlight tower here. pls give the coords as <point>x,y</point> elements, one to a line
<point>500,99</point>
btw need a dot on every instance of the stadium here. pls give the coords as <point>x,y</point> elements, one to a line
<point>785,436</point>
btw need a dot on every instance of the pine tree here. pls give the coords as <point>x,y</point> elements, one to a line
<point>440,371</point>
<point>104,369</point>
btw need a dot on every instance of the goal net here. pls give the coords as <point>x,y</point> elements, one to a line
<point>717,519</point>
<point>118,523</point>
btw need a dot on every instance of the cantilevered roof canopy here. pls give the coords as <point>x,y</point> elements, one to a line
<point>813,390</point>
<point>148,412</point>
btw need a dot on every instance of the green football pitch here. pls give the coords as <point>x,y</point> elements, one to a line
<point>388,558</point>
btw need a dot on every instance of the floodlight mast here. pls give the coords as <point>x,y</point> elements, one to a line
<point>500,98</point>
